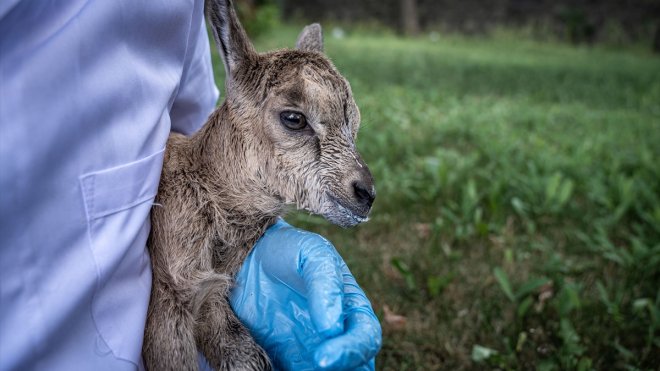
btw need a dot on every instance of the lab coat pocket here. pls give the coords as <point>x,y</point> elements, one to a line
<point>117,202</point>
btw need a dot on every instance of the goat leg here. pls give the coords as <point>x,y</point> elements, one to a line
<point>224,340</point>
<point>169,341</point>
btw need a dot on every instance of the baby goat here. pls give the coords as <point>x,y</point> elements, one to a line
<point>285,134</point>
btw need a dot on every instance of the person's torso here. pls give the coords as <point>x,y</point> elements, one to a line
<point>85,93</point>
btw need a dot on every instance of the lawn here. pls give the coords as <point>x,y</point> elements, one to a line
<point>517,223</point>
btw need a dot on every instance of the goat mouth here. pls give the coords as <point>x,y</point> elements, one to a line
<point>344,215</point>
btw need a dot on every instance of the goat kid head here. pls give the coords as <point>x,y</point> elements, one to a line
<point>300,120</point>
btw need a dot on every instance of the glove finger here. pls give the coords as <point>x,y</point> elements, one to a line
<point>320,268</point>
<point>354,348</point>
<point>363,336</point>
<point>370,366</point>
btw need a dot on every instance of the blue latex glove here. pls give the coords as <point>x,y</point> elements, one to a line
<point>302,304</point>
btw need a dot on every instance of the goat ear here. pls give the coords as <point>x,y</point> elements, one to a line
<point>311,38</point>
<point>233,43</point>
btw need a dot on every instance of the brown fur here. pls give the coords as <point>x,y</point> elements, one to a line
<point>221,188</point>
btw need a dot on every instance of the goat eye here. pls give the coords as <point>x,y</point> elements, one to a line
<point>293,120</point>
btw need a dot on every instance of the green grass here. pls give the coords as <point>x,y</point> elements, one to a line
<point>517,223</point>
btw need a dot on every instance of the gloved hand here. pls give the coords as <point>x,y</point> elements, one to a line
<point>301,303</point>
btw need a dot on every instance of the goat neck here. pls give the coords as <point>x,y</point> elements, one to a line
<point>223,162</point>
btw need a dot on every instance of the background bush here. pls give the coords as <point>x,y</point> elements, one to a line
<point>577,21</point>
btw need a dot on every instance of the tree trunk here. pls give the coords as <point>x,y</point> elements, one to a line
<point>410,20</point>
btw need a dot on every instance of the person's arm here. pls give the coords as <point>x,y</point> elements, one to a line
<point>197,93</point>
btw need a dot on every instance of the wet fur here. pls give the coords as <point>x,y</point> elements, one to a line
<point>221,188</point>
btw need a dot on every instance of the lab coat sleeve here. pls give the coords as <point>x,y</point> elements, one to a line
<point>197,93</point>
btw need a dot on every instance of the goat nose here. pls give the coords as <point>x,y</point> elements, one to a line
<point>365,194</point>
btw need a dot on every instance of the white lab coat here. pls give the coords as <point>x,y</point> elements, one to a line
<point>89,91</point>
